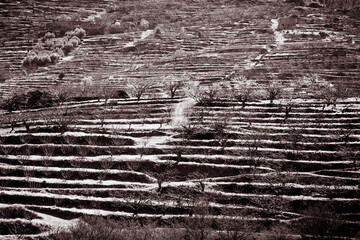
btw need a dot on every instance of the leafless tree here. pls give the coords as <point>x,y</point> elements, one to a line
<point>242,89</point>
<point>164,172</point>
<point>287,105</point>
<point>61,117</point>
<point>203,94</point>
<point>64,92</point>
<point>200,178</point>
<point>173,86</point>
<point>137,87</point>
<point>220,133</point>
<point>273,89</point>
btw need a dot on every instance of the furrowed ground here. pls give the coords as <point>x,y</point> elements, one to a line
<point>215,165</point>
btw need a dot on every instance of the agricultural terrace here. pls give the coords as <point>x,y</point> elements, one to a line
<point>179,119</point>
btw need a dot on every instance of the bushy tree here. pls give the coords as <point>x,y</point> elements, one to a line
<point>51,49</point>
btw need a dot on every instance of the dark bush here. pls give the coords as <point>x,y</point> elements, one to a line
<point>19,228</point>
<point>320,221</point>
<point>4,72</point>
<point>14,103</point>
<point>38,99</point>
<point>122,94</point>
<point>16,212</point>
<point>61,76</point>
<point>32,99</point>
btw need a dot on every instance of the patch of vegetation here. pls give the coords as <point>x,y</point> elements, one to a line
<point>50,49</point>
<point>19,228</point>
<point>31,99</point>
<point>198,227</point>
<point>4,72</point>
<point>322,222</point>
<point>16,212</point>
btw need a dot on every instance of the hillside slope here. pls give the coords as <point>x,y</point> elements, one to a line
<point>208,163</point>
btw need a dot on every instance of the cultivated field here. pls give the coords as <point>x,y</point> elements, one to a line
<point>180,120</point>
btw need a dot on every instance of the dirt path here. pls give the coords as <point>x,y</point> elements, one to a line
<point>179,117</point>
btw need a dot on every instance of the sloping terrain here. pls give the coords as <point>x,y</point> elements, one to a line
<point>172,161</point>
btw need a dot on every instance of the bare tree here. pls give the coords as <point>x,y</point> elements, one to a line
<point>164,172</point>
<point>242,89</point>
<point>322,89</point>
<point>200,179</point>
<point>63,92</point>
<point>254,153</point>
<point>287,105</point>
<point>219,129</point>
<point>203,94</point>
<point>173,86</point>
<point>273,89</point>
<point>61,117</point>
<point>137,87</point>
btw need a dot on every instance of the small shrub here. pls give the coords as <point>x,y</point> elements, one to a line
<point>4,72</point>
<point>78,32</point>
<point>48,35</point>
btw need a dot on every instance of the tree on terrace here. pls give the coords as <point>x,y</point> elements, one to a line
<point>61,117</point>
<point>219,129</point>
<point>64,92</point>
<point>173,86</point>
<point>137,87</point>
<point>274,90</point>
<point>322,89</point>
<point>164,172</point>
<point>204,95</point>
<point>242,89</point>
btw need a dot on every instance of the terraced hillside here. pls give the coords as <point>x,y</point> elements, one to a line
<point>209,163</point>
<point>240,164</point>
<point>205,39</point>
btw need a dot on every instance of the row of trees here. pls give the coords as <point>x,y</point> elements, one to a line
<point>243,90</point>
<point>238,88</point>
